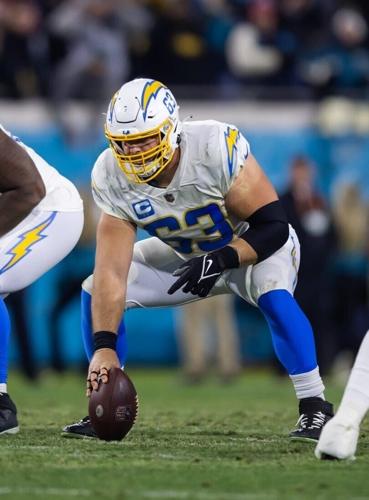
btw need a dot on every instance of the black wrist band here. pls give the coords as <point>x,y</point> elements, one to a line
<point>105,340</point>
<point>228,257</point>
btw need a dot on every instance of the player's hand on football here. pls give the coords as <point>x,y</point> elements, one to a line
<point>197,275</point>
<point>100,364</point>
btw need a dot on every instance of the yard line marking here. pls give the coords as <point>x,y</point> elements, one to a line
<point>42,492</point>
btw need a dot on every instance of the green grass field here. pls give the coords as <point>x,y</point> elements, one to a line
<point>221,442</point>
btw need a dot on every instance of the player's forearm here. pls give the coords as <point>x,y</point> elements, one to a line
<point>108,301</point>
<point>114,238</point>
<point>246,254</point>
<point>17,203</point>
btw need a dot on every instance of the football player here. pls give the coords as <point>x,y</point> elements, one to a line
<point>41,219</point>
<point>217,227</point>
<point>339,439</point>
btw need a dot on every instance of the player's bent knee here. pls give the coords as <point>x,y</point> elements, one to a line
<point>269,286</point>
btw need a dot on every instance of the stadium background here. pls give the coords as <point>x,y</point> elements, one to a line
<point>292,75</point>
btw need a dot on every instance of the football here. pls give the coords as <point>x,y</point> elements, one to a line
<point>113,407</point>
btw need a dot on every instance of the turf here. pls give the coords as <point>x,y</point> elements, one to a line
<point>205,442</point>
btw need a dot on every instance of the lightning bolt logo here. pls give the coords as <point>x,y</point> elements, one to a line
<point>26,241</point>
<point>231,137</point>
<point>111,107</point>
<point>149,92</point>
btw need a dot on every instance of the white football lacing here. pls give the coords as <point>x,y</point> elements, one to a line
<point>318,421</point>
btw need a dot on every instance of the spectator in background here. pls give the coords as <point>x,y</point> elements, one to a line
<point>207,332</point>
<point>179,52</point>
<point>263,49</point>
<point>309,214</point>
<point>220,17</point>
<point>97,58</point>
<point>342,63</point>
<point>306,21</point>
<point>23,49</point>
<point>252,46</point>
<point>351,216</point>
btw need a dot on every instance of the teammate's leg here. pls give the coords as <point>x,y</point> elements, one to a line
<point>339,437</point>
<point>8,411</point>
<point>27,252</point>
<point>4,345</point>
<point>35,246</point>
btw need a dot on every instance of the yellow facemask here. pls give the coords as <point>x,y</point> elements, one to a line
<point>146,165</point>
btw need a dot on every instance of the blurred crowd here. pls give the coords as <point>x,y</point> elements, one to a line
<point>86,48</point>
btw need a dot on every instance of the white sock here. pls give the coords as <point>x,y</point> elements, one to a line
<point>355,401</point>
<point>308,384</point>
<point>3,388</point>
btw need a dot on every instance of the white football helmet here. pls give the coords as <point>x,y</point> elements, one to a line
<point>142,109</point>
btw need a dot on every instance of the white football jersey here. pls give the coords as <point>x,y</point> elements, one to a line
<point>189,214</point>
<point>61,194</point>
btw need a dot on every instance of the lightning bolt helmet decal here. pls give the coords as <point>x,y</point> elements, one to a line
<point>150,91</point>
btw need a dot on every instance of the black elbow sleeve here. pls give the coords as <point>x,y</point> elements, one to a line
<point>268,230</point>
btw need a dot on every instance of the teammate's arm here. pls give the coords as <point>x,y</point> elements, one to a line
<point>114,248</point>
<point>21,185</point>
<point>253,198</point>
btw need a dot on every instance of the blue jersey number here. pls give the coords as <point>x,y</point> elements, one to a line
<point>169,103</point>
<point>163,227</point>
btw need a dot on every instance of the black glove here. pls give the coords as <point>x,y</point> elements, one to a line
<point>198,275</point>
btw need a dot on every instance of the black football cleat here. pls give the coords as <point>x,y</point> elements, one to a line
<point>8,415</point>
<point>314,414</point>
<point>81,430</point>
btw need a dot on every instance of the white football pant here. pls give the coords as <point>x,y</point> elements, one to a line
<point>36,245</point>
<point>153,263</point>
